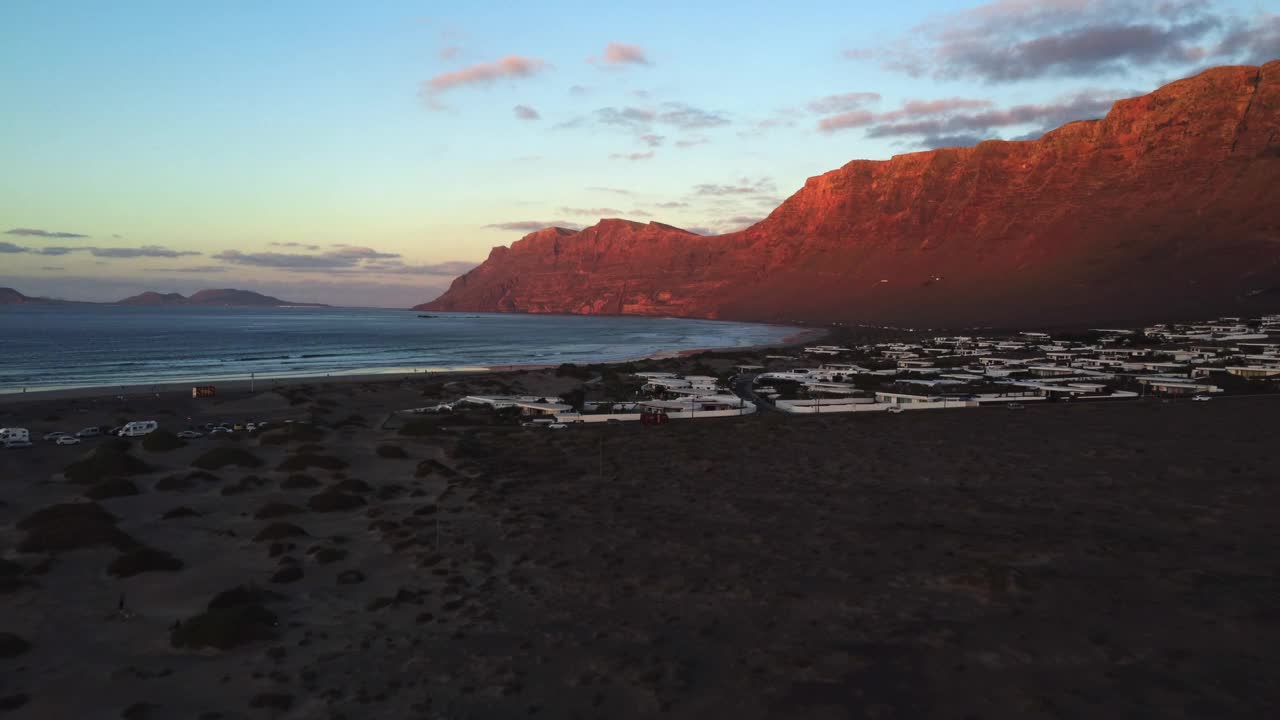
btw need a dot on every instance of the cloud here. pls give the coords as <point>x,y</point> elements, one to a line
<point>954,126</point>
<point>533,225</point>
<point>1015,40</point>
<point>616,54</point>
<point>342,256</point>
<point>675,114</point>
<point>451,268</point>
<point>144,251</point>
<point>449,52</point>
<point>673,204</point>
<point>100,252</point>
<point>844,121</point>
<point>509,67</point>
<point>692,142</point>
<point>744,186</point>
<point>33,232</point>
<point>579,90</point>
<point>592,212</point>
<point>632,156</point>
<point>844,102</point>
<point>615,191</point>
<point>524,112</point>
<point>198,269</point>
<point>52,268</point>
<point>302,246</point>
<point>652,140</point>
<point>640,213</point>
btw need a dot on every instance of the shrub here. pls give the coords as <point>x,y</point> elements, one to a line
<point>351,485</point>
<point>70,526</point>
<point>279,531</point>
<point>392,452</point>
<point>276,509</point>
<point>107,460</point>
<point>225,628</point>
<point>430,467</point>
<point>350,577</point>
<point>299,481</point>
<point>12,645</point>
<point>289,433</point>
<point>182,511</point>
<point>113,488</point>
<point>288,574</point>
<point>421,427</point>
<point>272,701</point>
<point>161,441</point>
<point>173,482</point>
<point>143,559</point>
<point>327,555</point>
<point>243,595</point>
<point>309,460</point>
<point>333,501</point>
<point>246,484</point>
<point>223,456</point>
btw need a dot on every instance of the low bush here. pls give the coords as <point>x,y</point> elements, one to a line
<point>291,433</point>
<point>221,457</point>
<point>110,459</point>
<point>143,559</point>
<point>71,526</point>
<point>225,628</point>
<point>333,501</point>
<point>161,441</point>
<point>287,574</point>
<point>309,460</point>
<point>12,645</point>
<point>392,452</point>
<point>351,485</point>
<point>182,511</point>
<point>276,509</point>
<point>299,481</point>
<point>113,488</point>
<point>279,531</point>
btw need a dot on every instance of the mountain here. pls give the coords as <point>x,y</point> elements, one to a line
<point>9,296</point>
<point>154,298</point>
<point>1167,206</point>
<point>213,298</point>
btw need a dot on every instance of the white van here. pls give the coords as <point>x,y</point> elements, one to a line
<point>138,427</point>
<point>8,435</point>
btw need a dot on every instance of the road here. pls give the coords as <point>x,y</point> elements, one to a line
<point>744,387</point>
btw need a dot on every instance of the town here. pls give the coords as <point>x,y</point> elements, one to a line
<point>1197,361</point>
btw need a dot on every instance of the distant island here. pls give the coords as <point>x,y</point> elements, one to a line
<point>225,297</point>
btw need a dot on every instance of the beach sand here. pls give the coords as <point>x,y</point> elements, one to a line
<point>1062,561</point>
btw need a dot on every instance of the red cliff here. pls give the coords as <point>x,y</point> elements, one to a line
<point>1169,205</point>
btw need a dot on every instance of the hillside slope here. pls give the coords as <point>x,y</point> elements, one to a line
<point>1168,205</point>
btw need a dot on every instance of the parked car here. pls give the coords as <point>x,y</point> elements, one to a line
<point>251,427</point>
<point>1015,406</point>
<point>89,432</point>
<point>190,434</point>
<point>1201,398</point>
<point>67,440</point>
<point>219,430</point>
<point>53,435</point>
<point>208,427</point>
<point>17,444</point>
<point>557,426</point>
<point>138,427</point>
<point>115,430</point>
<point>895,409</point>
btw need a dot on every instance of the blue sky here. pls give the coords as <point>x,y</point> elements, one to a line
<point>366,153</point>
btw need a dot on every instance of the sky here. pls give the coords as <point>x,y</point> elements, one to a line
<point>367,153</point>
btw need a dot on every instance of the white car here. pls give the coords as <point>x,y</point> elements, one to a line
<point>190,434</point>
<point>557,426</point>
<point>895,409</point>
<point>67,440</point>
<point>53,435</point>
<point>1201,398</point>
<point>89,432</point>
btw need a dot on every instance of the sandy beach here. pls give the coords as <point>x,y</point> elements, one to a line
<point>1058,562</point>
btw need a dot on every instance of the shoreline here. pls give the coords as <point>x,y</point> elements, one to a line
<point>267,383</point>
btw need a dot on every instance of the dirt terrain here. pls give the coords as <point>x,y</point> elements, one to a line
<point>1057,562</point>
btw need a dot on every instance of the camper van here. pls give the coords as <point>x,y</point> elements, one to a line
<point>138,427</point>
<point>14,436</point>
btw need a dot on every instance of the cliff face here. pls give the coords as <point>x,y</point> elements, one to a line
<point>1169,205</point>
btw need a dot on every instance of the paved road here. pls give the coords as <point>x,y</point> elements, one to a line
<point>744,387</point>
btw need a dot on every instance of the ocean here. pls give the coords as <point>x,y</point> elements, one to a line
<point>45,347</point>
